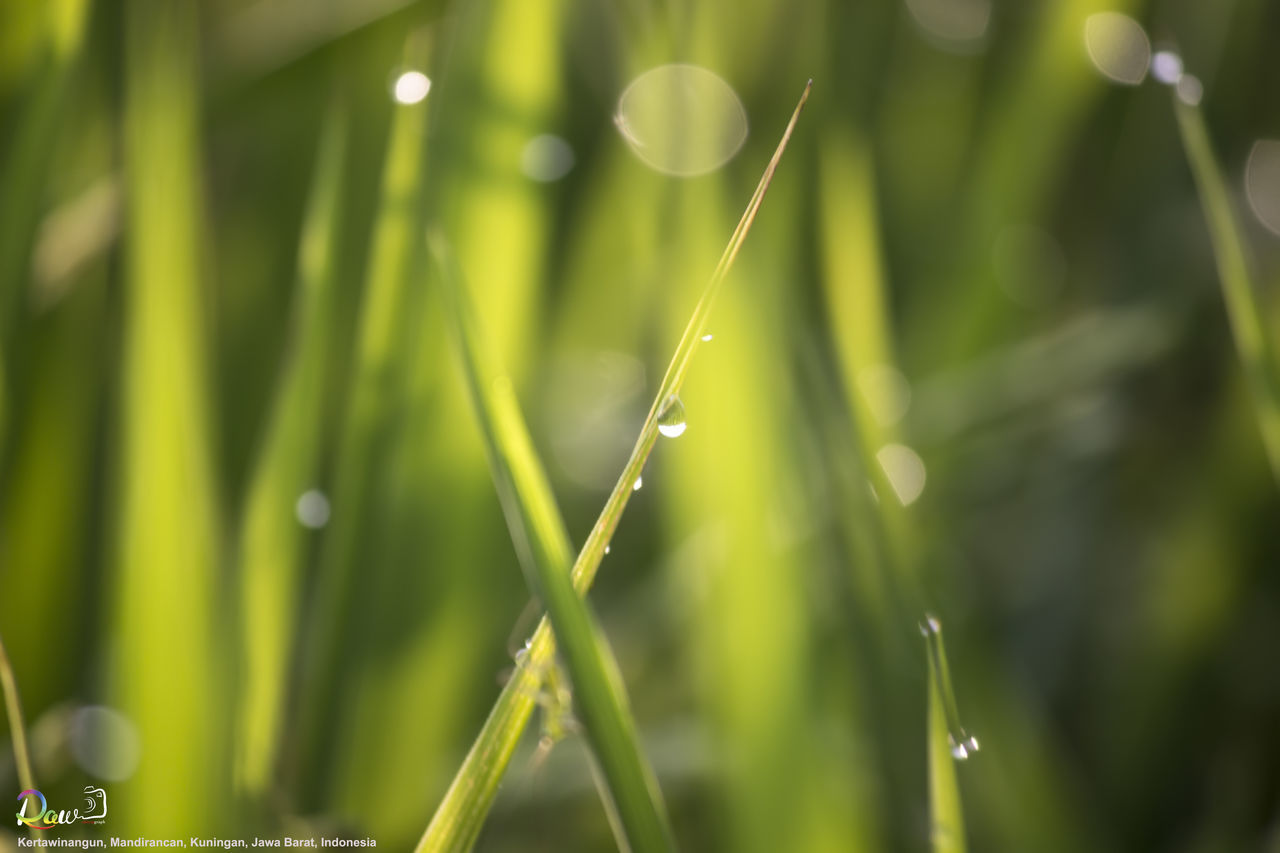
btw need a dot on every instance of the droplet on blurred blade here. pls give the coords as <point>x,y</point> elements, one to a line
<point>1118,47</point>
<point>671,422</point>
<point>1166,66</point>
<point>1190,90</point>
<point>962,747</point>
<point>905,471</point>
<point>952,20</point>
<point>706,337</point>
<point>411,87</point>
<point>887,392</point>
<point>682,119</point>
<point>635,487</point>
<point>1262,183</point>
<point>104,743</point>
<point>546,158</point>
<point>312,509</point>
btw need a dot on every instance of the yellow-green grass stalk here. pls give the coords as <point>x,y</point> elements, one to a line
<point>17,726</point>
<point>461,814</point>
<point>376,380</point>
<point>166,670</point>
<point>944,736</point>
<point>1255,345</point>
<point>539,533</point>
<point>272,541</point>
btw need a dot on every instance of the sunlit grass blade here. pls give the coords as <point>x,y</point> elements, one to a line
<point>166,663</point>
<point>1257,349</point>
<point>272,540</point>
<point>458,819</point>
<point>17,726</point>
<point>535,524</point>
<point>945,813</point>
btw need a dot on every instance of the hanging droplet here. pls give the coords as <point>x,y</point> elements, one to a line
<point>963,745</point>
<point>638,483</point>
<point>706,337</point>
<point>671,420</point>
<point>606,549</point>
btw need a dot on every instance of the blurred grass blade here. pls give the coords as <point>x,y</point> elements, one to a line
<point>17,726</point>
<point>1258,351</point>
<point>458,820</point>
<point>167,665</point>
<point>534,521</point>
<point>946,816</point>
<point>272,540</point>
<point>376,377</point>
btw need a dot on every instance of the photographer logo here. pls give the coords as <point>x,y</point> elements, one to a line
<point>35,812</point>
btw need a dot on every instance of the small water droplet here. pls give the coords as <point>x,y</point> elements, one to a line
<point>1166,66</point>
<point>671,421</point>
<point>1190,90</point>
<point>1117,46</point>
<point>411,87</point>
<point>638,483</point>
<point>546,158</point>
<point>905,471</point>
<point>312,509</point>
<point>1262,182</point>
<point>606,549</point>
<point>706,337</point>
<point>962,747</point>
<point>682,119</point>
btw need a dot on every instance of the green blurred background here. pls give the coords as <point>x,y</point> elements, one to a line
<point>982,262</point>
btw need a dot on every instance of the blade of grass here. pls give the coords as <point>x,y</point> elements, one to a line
<point>1257,351</point>
<point>17,728</point>
<point>458,819</point>
<point>535,524</point>
<point>272,540</point>
<point>167,669</point>
<point>377,376</point>
<point>945,813</point>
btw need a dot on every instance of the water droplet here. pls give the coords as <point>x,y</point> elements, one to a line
<point>635,487</point>
<point>411,87</point>
<point>1117,46</point>
<point>671,421</point>
<point>312,509</point>
<point>1190,90</point>
<point>953,22</point>
<point>104,742</point>
<point>887,392</point>
<point>1166,66</point>
<point>606,549</point>
<point>1262,182</point>
<point>706,337</point>
<point>546,158</point>
<point>682,119</point>
<point>905,471</point>
<point>962,747</point>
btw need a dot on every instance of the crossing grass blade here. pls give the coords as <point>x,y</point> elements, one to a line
<point>535,524</point>
<point>1254,344</point>
<point>945,813</point>
<point>461,814</point>
<point>17,727</point>
<point>272,541</point>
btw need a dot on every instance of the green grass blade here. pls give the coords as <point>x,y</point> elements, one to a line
<point>272,541</point>
<point>167,669</point>
<point>1257,350</point>
<point>377,375</point>
<point>945,813</point>
<point>458,819</point>
<point>17,727</point>
<point>536,525</point>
